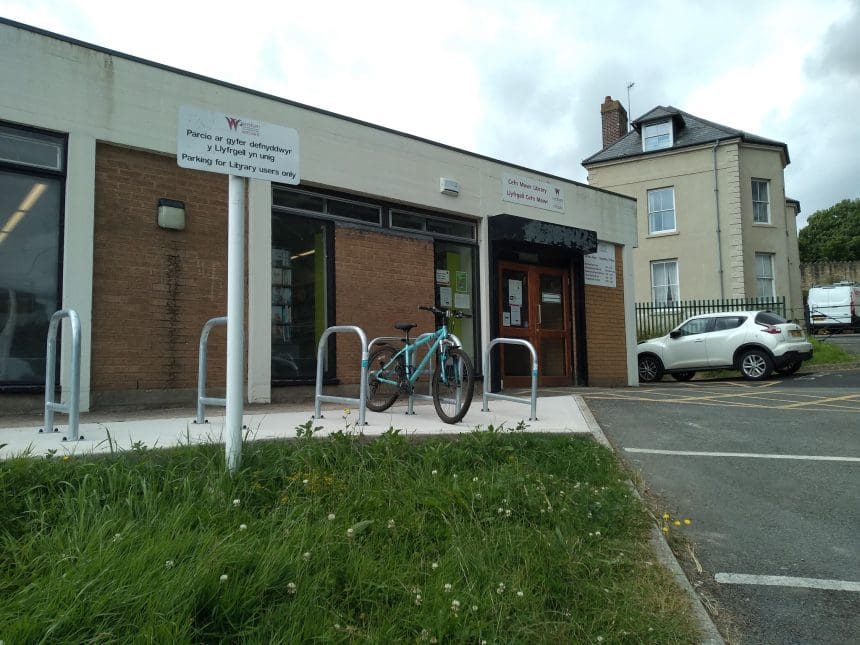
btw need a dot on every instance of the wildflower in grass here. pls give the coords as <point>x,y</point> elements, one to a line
<point>455,606</point>
<point>665,516</point>
<point>347,411</point>
<point>237,502</point>
<point>349,533</point>
<point>597,533</point>
<point>305,482</point>
<point>677,522</point>
<point>665,529</point>
<point>291,587</point>
<point>391,524</point>
<point>500,510</point>
<point>477,495</point>
<point>600,639</point>
<point>418,599</point>
<point>435,565</point>
<point>65,458</point>
<point>306,555</point>
<point>168,564</point>
<point>474,479</point>
<point>243,527</point>
<point>475,608</point>
<point>448,587</point>
<point>507,512</point>
<point>501,588</point>
<point>434,472</point>
<point>223,577</point>
<point>519,594</point>
<point>116,537</point>
<point>330,517</point>
<point>688,522</point>
<point>455,475</point>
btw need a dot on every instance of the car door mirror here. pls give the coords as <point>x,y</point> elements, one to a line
<point>675,333</point>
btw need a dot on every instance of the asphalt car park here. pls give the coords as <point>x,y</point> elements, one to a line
<point>768,474</point>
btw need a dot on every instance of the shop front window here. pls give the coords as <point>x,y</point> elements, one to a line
<point>299,294</point>
<point>30,233</point>
<point>456,289</point>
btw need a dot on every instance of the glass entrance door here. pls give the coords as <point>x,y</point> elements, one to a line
<point>535,305</point>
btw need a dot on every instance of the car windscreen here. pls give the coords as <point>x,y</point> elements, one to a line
<point>769,318</point>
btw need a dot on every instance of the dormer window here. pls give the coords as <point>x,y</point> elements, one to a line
<point>656,136</point>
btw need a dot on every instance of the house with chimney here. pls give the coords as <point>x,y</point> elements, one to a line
<point>713,217</point>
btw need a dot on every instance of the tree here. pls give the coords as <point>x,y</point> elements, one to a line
<point>832,234</point>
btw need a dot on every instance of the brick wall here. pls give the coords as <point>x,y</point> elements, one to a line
<point>381,278</point>
<point>812,273</point>
<point>154,288</point>
<point>604,321</point>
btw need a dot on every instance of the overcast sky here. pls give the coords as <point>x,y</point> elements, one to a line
<point>521,81</point>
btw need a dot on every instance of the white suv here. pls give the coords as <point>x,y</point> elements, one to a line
<point>754,342</point>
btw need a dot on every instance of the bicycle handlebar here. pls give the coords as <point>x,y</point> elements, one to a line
<point>447,313</point>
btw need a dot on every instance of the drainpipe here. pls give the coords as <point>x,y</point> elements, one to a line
<point>719,231</point>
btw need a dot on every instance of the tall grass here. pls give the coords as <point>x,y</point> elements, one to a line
<point>496,537</point>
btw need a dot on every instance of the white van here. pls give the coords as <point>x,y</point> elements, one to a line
<point>834,308</point>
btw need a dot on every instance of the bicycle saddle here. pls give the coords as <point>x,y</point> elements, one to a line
<point>405,326</point>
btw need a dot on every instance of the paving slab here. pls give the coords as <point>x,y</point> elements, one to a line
<point>555,414</point>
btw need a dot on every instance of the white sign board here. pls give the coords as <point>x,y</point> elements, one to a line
<point>599,268</point>
<point>233,145</point>
<point>532,192</point>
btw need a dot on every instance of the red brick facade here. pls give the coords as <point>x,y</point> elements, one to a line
<point>154,288</point>
<point>381,278</point>
<point>606,336</point>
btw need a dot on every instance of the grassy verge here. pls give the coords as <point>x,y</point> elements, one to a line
<point>824,353</point>
<point>494,536</point>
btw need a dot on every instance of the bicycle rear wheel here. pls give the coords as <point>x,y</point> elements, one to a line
<point>381,395</point>
<point>453,386</point>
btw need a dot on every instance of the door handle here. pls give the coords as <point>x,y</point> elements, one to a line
<point>540,314</point>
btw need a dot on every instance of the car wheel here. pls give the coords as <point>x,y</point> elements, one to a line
<point>650,368</point>
<point>789,368</point>
<point>683,376</point>
<point>756,365</point>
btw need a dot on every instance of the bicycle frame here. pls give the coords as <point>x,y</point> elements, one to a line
<point>413,373</point>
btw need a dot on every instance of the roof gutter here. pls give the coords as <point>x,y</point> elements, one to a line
<point>719,230</point>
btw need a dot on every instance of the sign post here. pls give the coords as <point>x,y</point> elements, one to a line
<point>241,148</point>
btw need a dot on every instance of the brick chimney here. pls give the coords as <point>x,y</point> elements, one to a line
<point>614,118</point>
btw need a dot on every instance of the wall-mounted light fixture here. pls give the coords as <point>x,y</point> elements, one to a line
<point>449,186</point>
<point>171,214</point>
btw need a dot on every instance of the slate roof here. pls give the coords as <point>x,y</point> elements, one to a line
<point>689,131</point>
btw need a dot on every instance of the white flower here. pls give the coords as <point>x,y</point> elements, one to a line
<point>475,608</point>
<point>448,587</point>
<point>501,588</point>
<point>391,524</point>
<point>418,599</point>
<point>243,527</point>
<point>349,533</point>
<point>600,639</point>
<point>455,606</point>
<point>477,495</point>
<point>169,564</point>
<point>434,472</point>
<point>236,502</point>
<point>474,479</point>
<point>116,536</point>
<point>330,516</point>
<point>306,555</point>
<point>435,565</point>
<point>291,587</point>
<point>223,577</point>
<point>305,482</point>
<point>455,475</point>
<point>597,533</point>
<point>519,594</point>
<point>507,512</point>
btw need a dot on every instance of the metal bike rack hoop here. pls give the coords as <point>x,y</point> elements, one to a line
<point>319,397</point>
<point>202,399</point>
<point>488,376</point>
<point>72,408</point>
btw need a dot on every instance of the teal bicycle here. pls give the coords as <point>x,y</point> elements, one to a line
<point>392,372</point>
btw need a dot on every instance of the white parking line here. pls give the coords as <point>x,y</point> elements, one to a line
<point>747,455</point>
<point>787,581</point>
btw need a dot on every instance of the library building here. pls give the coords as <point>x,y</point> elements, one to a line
<point>114,200</point>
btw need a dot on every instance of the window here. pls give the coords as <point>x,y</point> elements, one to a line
<point>436,225</point>
<point>656,136</point>
<point>324,205</point>
<point>661,210</point>
<point>728,322</point>
<point>455,289</point>
<point>31,189</point>
<point>664,281</point>
<point>300,287</point>
<point>695,326</point>
<point>761,201</point>
<point>764,275</point>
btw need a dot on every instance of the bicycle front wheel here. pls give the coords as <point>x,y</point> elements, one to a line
<point>453,385</point>
<point>384,375</point>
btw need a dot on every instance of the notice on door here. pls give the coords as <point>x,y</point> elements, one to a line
<point>599,268</point>
<point>233,145</point>
<point>515,292</point>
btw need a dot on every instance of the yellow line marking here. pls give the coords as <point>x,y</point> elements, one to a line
<point>827,400</point>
